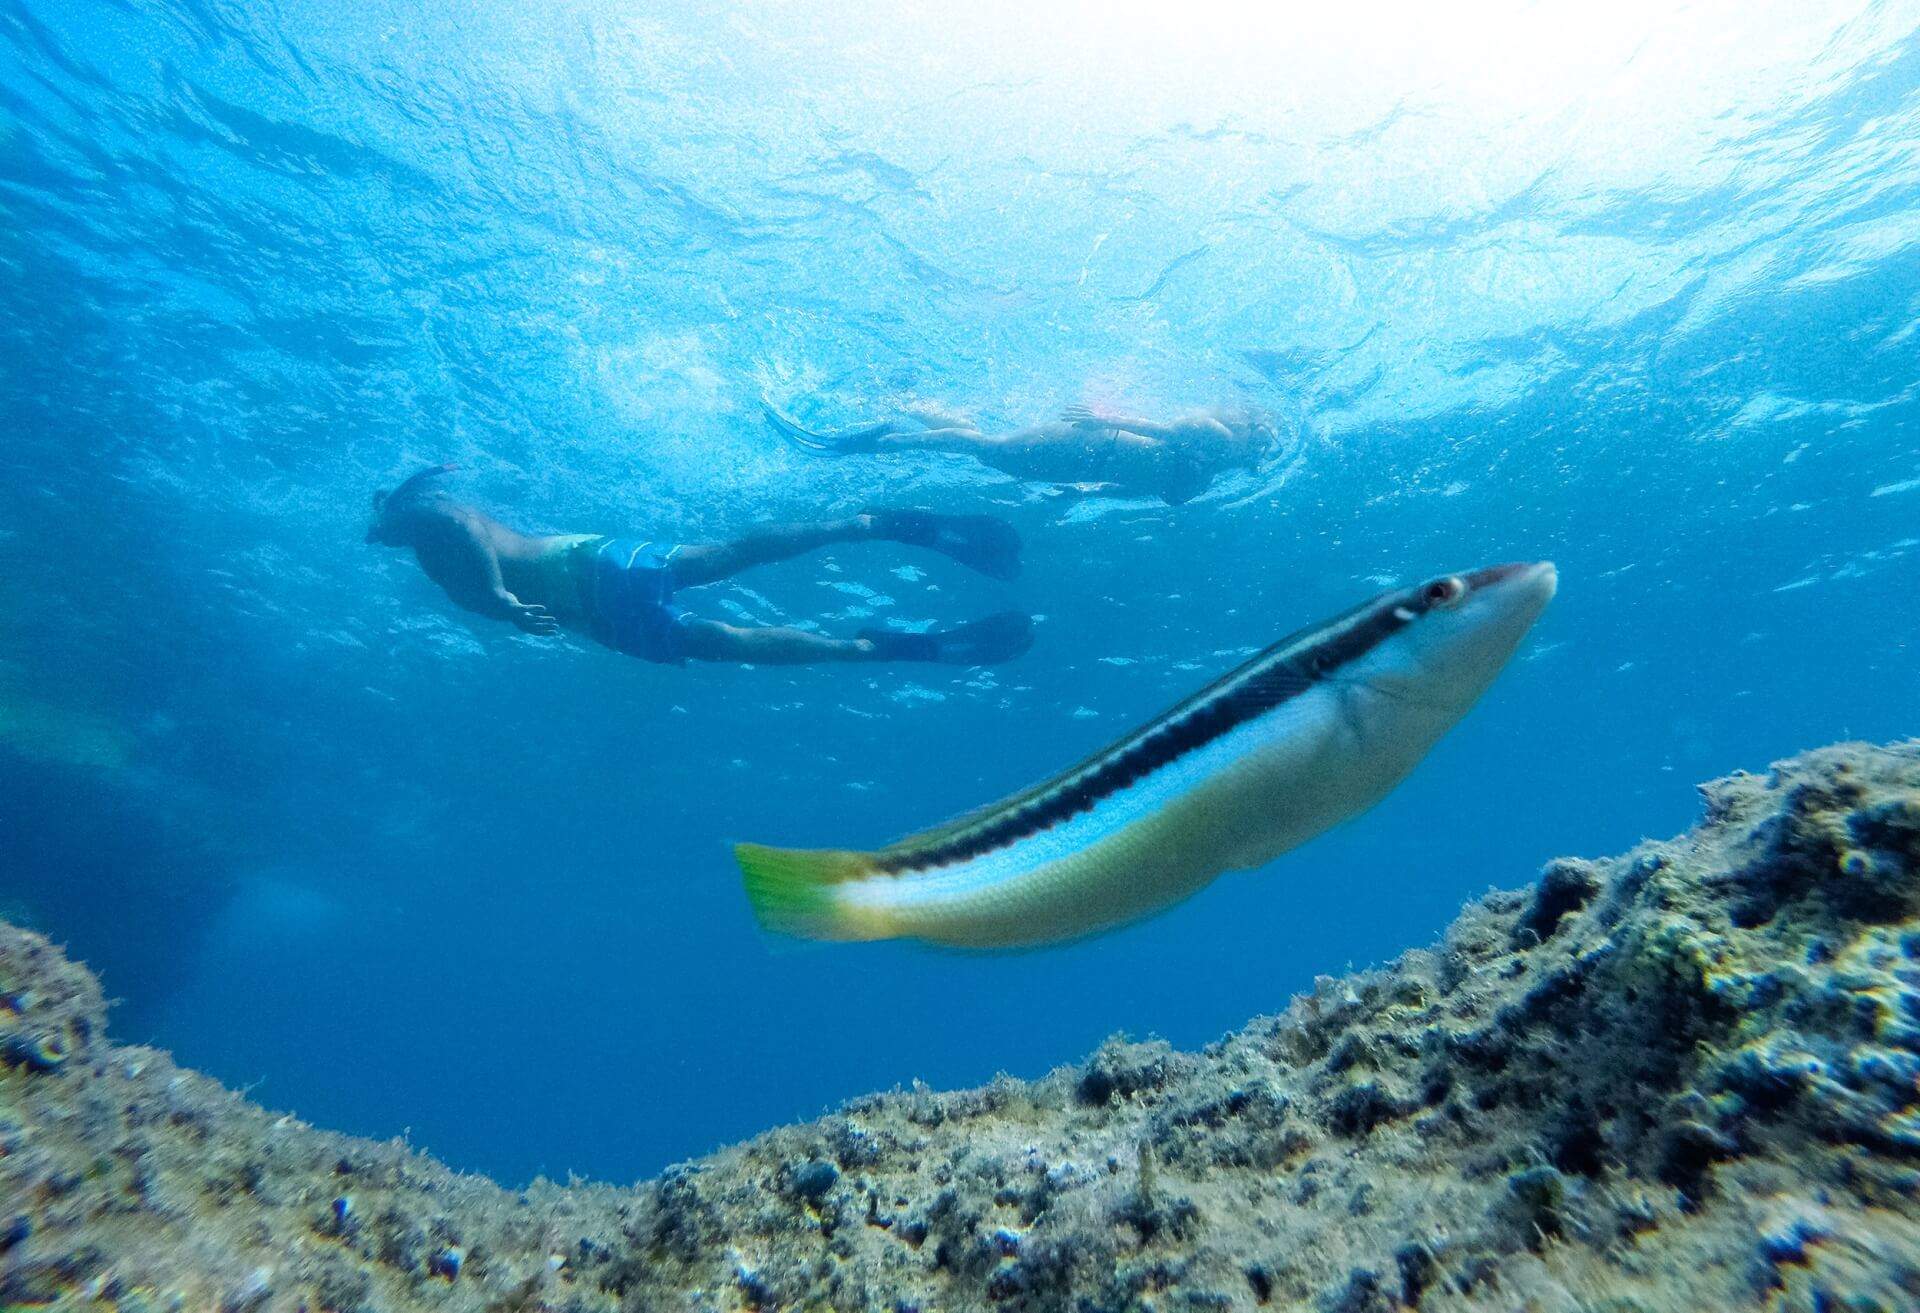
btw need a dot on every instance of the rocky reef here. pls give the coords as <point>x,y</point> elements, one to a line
<point>1687,1078</point>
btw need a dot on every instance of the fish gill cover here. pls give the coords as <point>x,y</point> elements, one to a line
<point>1627,287</point>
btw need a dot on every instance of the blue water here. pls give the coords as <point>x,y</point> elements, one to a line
<point>1635,289</point>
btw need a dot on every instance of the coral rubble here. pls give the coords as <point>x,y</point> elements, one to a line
<point>1686,1078</point>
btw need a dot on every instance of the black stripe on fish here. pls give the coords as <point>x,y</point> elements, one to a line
<point>1277,675</point>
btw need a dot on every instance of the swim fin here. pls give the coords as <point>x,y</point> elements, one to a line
<point>987,641</point>
<point>806,439</point>
<point>979,542</point>
<point>861,439</point>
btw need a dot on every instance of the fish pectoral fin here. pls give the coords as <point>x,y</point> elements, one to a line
<point>792,890</point>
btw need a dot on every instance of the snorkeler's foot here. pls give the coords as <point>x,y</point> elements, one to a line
<point>839,442</point>
<point>987,641</point>
<point>979,542</point>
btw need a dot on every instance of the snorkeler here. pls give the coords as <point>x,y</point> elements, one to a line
<point>619,591</point>
<point>1175,460</point>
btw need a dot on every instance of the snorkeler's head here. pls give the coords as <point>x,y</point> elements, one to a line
<point>390,508</point>
<point>1258,429</point>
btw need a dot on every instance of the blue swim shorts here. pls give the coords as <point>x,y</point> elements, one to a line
<point>630,597</point>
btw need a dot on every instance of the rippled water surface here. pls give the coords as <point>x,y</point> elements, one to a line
<point>1635,287</point>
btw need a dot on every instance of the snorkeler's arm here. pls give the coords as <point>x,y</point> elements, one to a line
<point>1086,417</point>
<point>457,554</point>
<point>1187,426</point>
<point>936,416</point>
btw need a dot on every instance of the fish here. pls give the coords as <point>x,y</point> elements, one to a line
<point>1309,733</point>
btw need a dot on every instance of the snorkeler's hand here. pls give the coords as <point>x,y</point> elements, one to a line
<point>1082,417</point>
<point>535,620</point>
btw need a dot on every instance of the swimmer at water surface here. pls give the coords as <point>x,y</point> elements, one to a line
<point>1174,460</point>
<point>620,591</point>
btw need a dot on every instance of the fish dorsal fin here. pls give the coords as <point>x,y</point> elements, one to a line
<point>966,820</point>
<point>1265,677</point>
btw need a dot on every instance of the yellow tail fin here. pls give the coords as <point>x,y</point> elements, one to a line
<point>792,892</point>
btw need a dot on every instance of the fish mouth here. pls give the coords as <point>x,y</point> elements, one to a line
<point>1516,593</point>
<point>1541,573</point>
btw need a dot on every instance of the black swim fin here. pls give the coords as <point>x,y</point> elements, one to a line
<point>858,440</point>
<point>987,641</point>
<point>806,439</point>
<point>979,542</point>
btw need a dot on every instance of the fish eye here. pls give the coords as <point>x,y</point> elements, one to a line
<point>1445,592</point>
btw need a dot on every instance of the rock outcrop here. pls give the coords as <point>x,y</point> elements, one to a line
<point>1687,1078</point>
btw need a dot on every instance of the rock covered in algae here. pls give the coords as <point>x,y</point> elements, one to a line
<point>1687,1078</point>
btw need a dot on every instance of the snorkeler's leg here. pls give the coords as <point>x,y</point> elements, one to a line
<point>702,563</point>
<point>958,439</point>
<point>938,415</point>
<point>1049,452</point>
<point>709,640</point>
<point>979,542</point>
<point>922,427</point>
<point>986,641</point>
<point>1052,452</point>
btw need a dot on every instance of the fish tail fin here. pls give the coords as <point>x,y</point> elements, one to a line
<point>792,891</point>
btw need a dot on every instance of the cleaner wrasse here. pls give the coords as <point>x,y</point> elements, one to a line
<point>1311,732</point>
